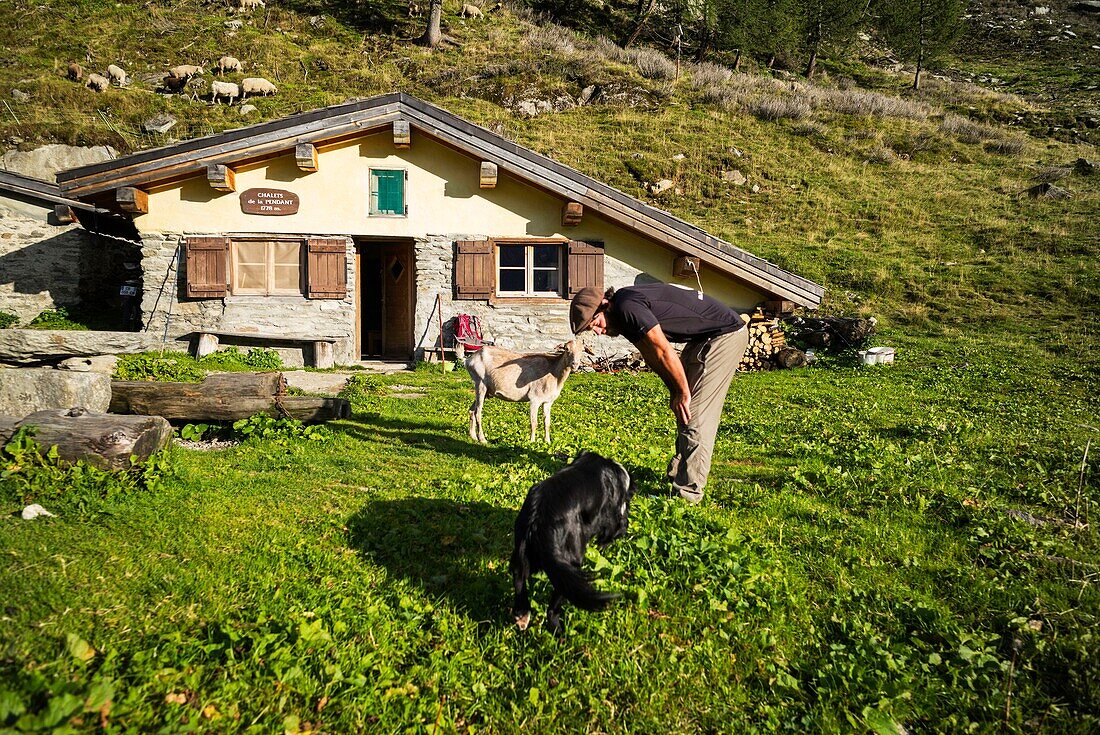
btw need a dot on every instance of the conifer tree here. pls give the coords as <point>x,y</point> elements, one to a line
<point>919,30</point>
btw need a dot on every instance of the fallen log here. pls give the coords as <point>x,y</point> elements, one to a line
<point>101,439</point>
<point>223,397</point>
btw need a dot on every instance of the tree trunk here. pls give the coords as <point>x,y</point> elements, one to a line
<point>222,397</point>
<point>920,49</point>
<point>811,65</point>
<point>100,439</point>
<point>644,10</point>
<point>432,34</point>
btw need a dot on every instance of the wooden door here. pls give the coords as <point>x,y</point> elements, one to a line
<point>397,308</point>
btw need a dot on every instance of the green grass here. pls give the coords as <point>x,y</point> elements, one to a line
<point>854,564</point>
<point>860,559</point>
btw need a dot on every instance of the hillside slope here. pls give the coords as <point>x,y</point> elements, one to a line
<point>903,207</point>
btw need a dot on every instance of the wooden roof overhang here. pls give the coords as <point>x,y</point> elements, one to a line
<point>328,125</point>
<point>28,187</point>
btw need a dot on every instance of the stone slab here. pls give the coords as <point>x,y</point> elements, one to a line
<point>44,346</point>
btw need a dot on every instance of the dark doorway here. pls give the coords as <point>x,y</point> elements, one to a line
<point>386,281</point>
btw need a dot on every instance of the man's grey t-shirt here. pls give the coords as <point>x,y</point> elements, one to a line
<point>683,313</point>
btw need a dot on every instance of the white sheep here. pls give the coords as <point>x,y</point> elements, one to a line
<point>230,63</point>
<point>98,82</point>
<point>224,89</point>
<point>514,376</point>
<point>117,74</point>
<point>257,85</point>
<point>186,71</point>
<point>470,11</point>
<point>248,5</point>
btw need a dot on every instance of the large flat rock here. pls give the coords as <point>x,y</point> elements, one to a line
<point>39,346</point>
<point>25,390</point>
<point>45,161</point>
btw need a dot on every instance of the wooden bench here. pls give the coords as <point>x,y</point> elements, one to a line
<point>324,346</point>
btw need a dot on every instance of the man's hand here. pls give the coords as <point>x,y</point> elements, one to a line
<point>681,407</point>
<point>663,360</point>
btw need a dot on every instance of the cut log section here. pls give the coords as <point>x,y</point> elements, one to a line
<point>222,397</point>
<point>101,439</point>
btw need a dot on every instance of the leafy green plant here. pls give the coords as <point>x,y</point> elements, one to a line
<point>8,320</point>
<point>55,319</point>
<point>362,390</point>
<point>232,359</point>
<point>281,430</point>
<point>197,432</point>
<point>176,367</point>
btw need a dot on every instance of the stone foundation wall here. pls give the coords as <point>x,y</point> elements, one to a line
<point>42,266</point>
<point>164,300</point>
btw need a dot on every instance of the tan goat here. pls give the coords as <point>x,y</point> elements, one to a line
<point>515,376</point>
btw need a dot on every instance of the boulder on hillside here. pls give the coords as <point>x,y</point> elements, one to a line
<point>44,162</point>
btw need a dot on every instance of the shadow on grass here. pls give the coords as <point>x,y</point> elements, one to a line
<point>455,550</point>
<point>440,437</point>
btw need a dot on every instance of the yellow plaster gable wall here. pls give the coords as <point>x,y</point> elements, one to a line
<point>443,197</point>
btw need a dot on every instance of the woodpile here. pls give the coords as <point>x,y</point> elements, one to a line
<point>766,342</point>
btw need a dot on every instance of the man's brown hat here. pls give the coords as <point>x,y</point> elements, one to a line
<point>583,309</point>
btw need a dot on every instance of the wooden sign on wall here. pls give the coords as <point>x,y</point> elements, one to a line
<point>271,202</point>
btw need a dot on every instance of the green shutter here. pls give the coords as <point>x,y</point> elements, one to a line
<point>387,194</point>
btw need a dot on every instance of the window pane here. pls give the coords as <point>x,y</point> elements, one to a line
<point>546,256</point>
<point>512,279</point>
<point>286,277</point>
<point>287,253</point>
<point>251,276</point>
<point>251,253</point>
<point>546,280</point>
<point>511,256</point>
<point>387,192</point>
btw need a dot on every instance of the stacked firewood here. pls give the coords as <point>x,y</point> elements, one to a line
<point>766,341</point>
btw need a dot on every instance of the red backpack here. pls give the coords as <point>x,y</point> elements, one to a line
<point>468,332</point>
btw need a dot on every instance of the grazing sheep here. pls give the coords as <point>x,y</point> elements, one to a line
<point>514,376</point>
<point>98,82</point>
<point>257,85</point>
<point>230,63</point>
<point>186,71</point>
<point>248,5</point>
<point>224,89</point>
<point>117,74</point>
<point>75,72</point>
<point>470,11</point>
<point>173,84</point>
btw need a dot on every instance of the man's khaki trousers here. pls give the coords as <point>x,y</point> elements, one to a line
<point>709,366</point>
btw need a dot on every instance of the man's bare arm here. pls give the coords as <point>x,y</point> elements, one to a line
<point>662,359</point>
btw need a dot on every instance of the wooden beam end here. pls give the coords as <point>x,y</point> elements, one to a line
<point>131,199</point>
<point>572,214</point>
<point>221,177</point>
<point>402,135</point>
<point>488,175</point>
<point>305,154</point>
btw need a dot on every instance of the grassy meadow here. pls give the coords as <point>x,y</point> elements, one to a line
<point>906,548</point>
<point>879,549</point>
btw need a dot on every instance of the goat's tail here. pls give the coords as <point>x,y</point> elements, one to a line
<point>575,585</point>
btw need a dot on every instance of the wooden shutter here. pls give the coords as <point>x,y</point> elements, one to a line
<point>327,268</point>
<point>474,266</point>
<point>206,259</point>
<point>585,267</point>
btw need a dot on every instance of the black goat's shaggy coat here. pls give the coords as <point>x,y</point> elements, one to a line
<point>589,498</point>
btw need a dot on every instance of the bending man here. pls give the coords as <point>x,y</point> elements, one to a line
<point>698,379</point>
